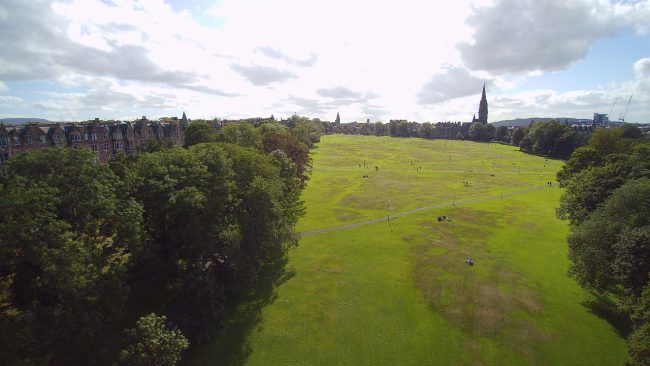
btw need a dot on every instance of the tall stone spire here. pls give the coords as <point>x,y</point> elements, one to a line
<point>483,108</point>
<point>184,121</point>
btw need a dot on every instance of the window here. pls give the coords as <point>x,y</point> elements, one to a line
<point>118,146</point>
<point>41,139</point>
<point>75,137</point>
<point>86,137</point>
<point>58,138</point>
<point>93,136</point>
<point>4,141</point>
<point>105,147</point>
<point>106,136</point>
<point>4,156</point>
<point>29,140</point>
<point>16,141</point>
<point>94,147</point>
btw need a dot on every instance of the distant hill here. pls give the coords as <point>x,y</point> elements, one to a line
<point>527,121</point>
<point>22,121</point>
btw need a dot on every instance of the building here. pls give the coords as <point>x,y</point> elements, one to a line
<point>600,120</point>
<point>482,109</point>
<point>106,138</point>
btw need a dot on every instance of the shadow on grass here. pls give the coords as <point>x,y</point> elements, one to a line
<point>605,308</point>
<point>231,343</point>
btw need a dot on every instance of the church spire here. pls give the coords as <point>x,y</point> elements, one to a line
<point>184,121</point>
<point>483,108</point>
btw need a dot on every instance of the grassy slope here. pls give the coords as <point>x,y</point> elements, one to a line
<point>370,295</point>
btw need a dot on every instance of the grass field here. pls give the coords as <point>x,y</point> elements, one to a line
<point>399,292</point>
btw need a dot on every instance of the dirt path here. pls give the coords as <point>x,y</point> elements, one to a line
<point>424,208</point>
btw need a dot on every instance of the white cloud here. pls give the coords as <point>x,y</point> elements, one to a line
<point>642,68</point>
<point>362,58</point>
<point>514,36</point>
<point>452,82</point>
<point>8,101</point>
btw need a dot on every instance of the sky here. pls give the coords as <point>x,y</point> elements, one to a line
<point>365,59</point>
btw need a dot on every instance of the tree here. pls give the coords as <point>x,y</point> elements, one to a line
<point>152,343</point>
<point>588,188</point>
<point>307,131</point>
<point>608,141</point>
<point>581,159</point>
<point>64,256</point>
<point>630,131</point>
<point>501,134</point>
<point>242,134</point>
<point>272,127</point>
<point>481,132</point>
<point>198,132</point>
<point>215,214</point>
<point>604,247</point>
<point>403,129</point>
<point>639,346</point>
<point>517,135</point>
<point>427,130</point>
<point>294,149</point>
<point>550,138</point>
<point>380,129</point>
<point>153,146</point>
<point>392,128</point>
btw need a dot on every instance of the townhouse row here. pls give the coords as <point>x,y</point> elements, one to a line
<point>106,138</point>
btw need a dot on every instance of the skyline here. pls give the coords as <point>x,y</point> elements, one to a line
<point>246,58</point>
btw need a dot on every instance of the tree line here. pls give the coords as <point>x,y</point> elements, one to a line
<point>607,203</point>
<point>549,138</point>
<point>130,262</point>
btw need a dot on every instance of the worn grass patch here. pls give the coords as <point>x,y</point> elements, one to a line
<point>483,300</point>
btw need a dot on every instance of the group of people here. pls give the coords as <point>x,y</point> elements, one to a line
<point>444,218</point>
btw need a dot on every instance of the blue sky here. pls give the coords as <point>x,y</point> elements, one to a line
<point>419,60</point>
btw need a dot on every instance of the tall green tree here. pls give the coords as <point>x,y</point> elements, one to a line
<point>308,132</point>
<point>612,245</point>
<point>296,150</point>
<point>242,134</point>
<point>550,138</point>
<point>198,132</point>
<point>501,134</point>
<point>152,343</point>
<point>216,214</point>
<point>607,201</point>
<point>63,257</point>
<point>517,135</point>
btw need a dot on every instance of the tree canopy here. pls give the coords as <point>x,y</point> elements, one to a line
<point>607,202</point>
<point>199,223</point>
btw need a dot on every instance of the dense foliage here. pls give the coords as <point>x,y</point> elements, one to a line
<point>152,343</point>
<point>607,202</point>
<point>550,138</point>
<point>86,248</point>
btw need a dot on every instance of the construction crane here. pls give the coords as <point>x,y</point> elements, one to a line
<point>612,110</point>
<point>622,117</point>
<point>613,105</point>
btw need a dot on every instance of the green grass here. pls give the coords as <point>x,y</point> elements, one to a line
<point>402,294</point>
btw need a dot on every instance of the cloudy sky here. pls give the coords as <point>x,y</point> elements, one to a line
<point>377,59</point>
